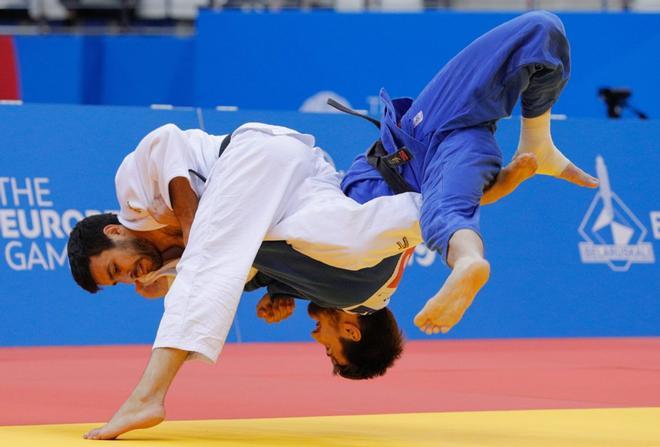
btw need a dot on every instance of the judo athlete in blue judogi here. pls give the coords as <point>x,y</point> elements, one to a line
<point>442,144</point>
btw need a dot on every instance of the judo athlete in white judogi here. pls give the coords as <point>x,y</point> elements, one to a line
<point>195,319</point>
<point>297,185</point>
<point>266,175</point>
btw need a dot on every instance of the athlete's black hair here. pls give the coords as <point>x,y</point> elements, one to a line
<point>379,347</point>
<point>87,239</point>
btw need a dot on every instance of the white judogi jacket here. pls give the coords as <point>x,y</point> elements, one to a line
<point>270,184</point>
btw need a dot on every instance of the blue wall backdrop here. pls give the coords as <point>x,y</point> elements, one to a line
<point>277,61</point>
<point>53,69</point>
<point>58,163</point>
<point>125,70</point>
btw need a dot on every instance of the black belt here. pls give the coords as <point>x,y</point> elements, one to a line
<point>386,165</point>
<point>225,142</point>
<point>378,157</point>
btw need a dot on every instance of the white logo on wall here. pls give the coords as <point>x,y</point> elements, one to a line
<point>613,234</point>
<point>422,256</point>
<point>33,232</point>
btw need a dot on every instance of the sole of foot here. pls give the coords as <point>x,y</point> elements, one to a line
<point>446,309</point>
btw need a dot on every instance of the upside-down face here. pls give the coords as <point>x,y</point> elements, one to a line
<point>333,325</point>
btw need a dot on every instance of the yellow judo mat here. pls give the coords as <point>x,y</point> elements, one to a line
<point>629,427</point>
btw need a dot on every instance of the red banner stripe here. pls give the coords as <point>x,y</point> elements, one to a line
<point>8,69</point>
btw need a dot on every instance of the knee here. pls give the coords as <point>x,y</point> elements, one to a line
<point>438,219</point>
<point>545,21</point>
<point>437,230</point>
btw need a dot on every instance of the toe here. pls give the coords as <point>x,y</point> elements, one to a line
<point>420,320</point>
<point>575,175</point>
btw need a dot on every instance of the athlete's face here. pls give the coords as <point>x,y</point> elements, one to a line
<point>332,326</point>
<point>130,258</point>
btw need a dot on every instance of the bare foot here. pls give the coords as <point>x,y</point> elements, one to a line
<point>510,177</point>
<point>132,415</point>
<point>577,176</point>
<point>521,168</point>
<point>446,308</point>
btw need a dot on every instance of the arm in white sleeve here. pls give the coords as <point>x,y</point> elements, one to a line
<point>170,156</point>
<point>352,236</point>
<point>243,199</point>
<point>142,181</point>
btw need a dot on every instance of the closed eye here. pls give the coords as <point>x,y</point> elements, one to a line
<point>113,272</point>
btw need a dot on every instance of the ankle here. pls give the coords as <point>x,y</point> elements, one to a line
<point>468,260</point>
<point>537,121</point>
<point>142,398</point>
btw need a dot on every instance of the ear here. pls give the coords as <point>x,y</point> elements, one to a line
<point>114,230</point>
<point>351,331</point>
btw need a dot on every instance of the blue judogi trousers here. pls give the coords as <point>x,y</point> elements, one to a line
<point>449,128</point>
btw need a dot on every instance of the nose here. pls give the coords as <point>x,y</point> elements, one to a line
<point>125,277</point>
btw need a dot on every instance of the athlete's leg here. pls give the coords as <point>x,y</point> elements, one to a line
<point>483,83</point>
<point>465,256</point>
<point>543,79</point>
<point>461,167</point>
<point>528,58</point>
<point>470,271</point>
<point>145,406</point>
